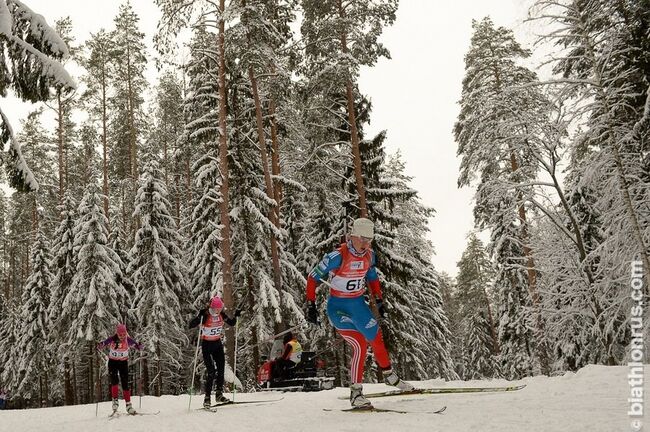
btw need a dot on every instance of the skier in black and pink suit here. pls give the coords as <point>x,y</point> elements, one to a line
<point>212,319</point>
<point>351,266</point>
<point>118,363</point>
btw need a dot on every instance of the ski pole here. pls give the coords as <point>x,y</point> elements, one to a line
<point>234,368</point>
<point>280,334</point>
<point>98,390</point>
<point>139,364</point>
<point>196,354</point>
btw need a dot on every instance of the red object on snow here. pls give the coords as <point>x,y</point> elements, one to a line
<point>264,373</point>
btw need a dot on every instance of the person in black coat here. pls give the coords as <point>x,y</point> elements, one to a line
<point>212,320</point>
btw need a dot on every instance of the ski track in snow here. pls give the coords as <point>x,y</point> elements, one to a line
<point>594,399</point>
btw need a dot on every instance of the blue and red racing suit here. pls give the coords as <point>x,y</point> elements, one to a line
<point>347,310</point>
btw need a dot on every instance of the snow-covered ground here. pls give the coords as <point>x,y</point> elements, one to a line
<point>594,399</point>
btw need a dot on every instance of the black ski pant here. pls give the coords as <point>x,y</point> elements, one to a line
<point>121,368</point>
<point>215,363</point>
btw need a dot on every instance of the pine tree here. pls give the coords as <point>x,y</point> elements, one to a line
<point>168,128</point>
<point>127,78</point>
<point>491,140</point>
<point>340,38</point>
<point>35,356</point>
<point>62,107</point>
<point>99,55</point>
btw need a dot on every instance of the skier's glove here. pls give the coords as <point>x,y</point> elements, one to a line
<point>380,307</point>
<point>237,313</point>
<point>312,313</point>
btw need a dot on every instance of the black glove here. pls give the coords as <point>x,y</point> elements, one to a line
<point>237,313</point>
<point>312,313</point>
<point>380,307</point>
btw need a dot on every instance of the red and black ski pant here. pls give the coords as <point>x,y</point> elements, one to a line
<point>118,370</point>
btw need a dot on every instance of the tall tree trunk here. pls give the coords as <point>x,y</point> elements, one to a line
<point>225,188</point>
<point>131,109</point>
<point>275,155</point>
<point>354,134</point>
<point>542,349</point>
<point>273,211</point>
<point>61,148</point>
<point>104,140</point>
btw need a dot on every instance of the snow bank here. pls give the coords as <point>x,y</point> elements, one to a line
<point>594,400</point>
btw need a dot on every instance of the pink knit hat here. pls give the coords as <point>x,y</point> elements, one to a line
<point>120,329</point>
<point>216,303</point>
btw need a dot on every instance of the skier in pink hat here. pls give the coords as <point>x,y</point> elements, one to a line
<point>212,320</point>
<point>118,364</point>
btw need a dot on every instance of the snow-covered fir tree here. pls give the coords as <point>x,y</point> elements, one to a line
<point>478,327</point>
<point>63,267</point>
<point>157,270</point>
<point>199,143</point>
<point>95,301</point>
<point>34,343</point>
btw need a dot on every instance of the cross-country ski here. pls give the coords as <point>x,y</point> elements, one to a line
<point>443,390</point>
<point>386,410</point>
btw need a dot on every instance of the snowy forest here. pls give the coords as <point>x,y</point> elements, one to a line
<point>247,161</point>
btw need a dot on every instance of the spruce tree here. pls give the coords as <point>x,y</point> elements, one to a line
<point>478,327</point>
<point>63,268</point>
<point>95,302</point>
<point>35,361</point>
<point>158,275</point>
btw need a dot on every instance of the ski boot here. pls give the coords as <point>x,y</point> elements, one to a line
<point>221,399</point>
<point>357,399</point>
<point>130,409</point>
<point>392,379</point>
<point>115,405</point>
<point>206,402</point>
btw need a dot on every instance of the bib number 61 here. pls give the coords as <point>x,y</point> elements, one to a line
<point>354,285</point>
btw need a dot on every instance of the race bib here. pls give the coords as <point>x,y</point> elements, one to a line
<point>211,331</point>
<point>118,354</point>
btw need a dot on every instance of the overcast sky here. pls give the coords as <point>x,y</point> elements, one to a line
<point>414,94</point>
